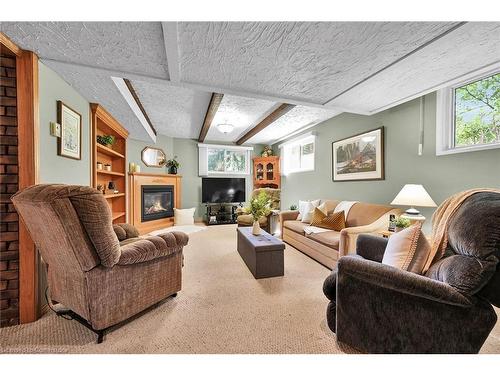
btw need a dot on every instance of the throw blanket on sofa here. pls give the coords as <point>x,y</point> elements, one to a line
<point>345,206</point>
<point>312,229</point>
<point>441,219</point>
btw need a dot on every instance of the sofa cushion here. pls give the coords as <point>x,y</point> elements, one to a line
<point>467,274</point>
<point>295,225</point>
<point>329,205</point>
<point>407,250</point>
<point>330,239</point>
<point>334,221</point>
<point>365,213</point>
<point>305,210</point>
<point>184,216</point>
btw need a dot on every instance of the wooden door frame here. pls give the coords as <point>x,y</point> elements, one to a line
<point>28,162</point>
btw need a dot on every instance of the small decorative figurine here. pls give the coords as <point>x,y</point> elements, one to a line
<point>268,151</point>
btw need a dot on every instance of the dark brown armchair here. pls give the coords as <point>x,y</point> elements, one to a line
<point>381,309</point>
<point>101,282</point>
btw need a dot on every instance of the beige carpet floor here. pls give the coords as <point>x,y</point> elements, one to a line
<point>221,309</point>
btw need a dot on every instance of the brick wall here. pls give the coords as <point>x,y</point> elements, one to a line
<point>9,244</point>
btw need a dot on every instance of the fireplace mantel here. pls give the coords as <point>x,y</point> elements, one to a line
<point>136,180</point>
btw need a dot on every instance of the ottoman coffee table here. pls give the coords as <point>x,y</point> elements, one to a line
<point>263,254</point>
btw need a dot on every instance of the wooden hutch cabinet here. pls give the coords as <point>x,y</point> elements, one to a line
<point>266,172</point>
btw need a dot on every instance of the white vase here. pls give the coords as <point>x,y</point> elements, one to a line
<point>256,228</point>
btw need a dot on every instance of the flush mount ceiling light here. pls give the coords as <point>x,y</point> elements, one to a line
<point>225,128</point>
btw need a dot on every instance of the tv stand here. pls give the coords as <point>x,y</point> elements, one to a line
<point>221,213</point>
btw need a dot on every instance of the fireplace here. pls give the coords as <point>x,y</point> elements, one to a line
<point>157,202</point>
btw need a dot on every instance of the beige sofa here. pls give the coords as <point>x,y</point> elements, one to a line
<point>327,247</point>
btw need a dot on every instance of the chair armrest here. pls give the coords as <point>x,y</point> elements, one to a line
<point>287,215</point>
<point>348,236</point>
<point>240,211</point>
<point>371,247</point>
<point>391,278</point>
<point>381,309</point>
<point>152,247</point>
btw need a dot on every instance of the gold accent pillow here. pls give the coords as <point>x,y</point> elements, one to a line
<point>334,221</point>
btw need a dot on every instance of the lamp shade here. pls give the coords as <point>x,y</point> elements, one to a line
<point>413,195</point>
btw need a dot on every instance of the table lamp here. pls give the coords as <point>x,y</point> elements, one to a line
<point>413,195</point>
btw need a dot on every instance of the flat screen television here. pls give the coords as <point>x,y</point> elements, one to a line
<point>223,190</point>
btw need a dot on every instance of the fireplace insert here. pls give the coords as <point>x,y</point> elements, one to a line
<point>157,202</point>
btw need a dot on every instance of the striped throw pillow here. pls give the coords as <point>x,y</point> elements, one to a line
<point>334,221</point>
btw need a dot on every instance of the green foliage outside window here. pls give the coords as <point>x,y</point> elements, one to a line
<point>229,161</point>
<point>477,112</point>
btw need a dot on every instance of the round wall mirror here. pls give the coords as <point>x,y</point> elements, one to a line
<point>153,157</point>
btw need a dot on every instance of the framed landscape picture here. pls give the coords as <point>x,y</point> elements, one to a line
<point>69,144</point>
<point>359,157</point>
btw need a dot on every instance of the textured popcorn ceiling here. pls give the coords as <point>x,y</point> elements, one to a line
<point>135,47</point>
<point>243,113</point>
<point>174,111</point>
<point>97,87</point>
<point>311,62</point>
<point>298,118</point>
<point>466,49</point>
<point>324,68</point>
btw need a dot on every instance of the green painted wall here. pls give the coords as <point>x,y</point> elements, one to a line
<point>440,175</point>
<point>186,151</point>
<point>54,168</point>
<point>135,147</point>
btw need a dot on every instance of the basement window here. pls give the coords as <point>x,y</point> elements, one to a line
<point>224,159</point>
<point>297,155</point>
<point>468,115</point>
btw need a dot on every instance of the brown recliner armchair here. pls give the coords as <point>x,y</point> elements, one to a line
<point>246,220</point>
<point>101,282</point>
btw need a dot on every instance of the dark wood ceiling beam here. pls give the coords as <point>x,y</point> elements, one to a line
<point>209,117</point>
<point>272,117</point>
<point>139,104</point>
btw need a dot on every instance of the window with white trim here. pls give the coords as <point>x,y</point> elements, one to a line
<point>297,155</point>
<point>468,115</point>
<point>224,159</point>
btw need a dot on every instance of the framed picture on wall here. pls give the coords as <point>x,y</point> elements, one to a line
<point>359,157</point>
<point>69,144</point>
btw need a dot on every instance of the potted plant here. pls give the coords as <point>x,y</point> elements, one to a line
<point>293,207</point>
<point>260,206</point>
<point>172,165</point>
<point>401,223</point>
<point>106,140</point>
